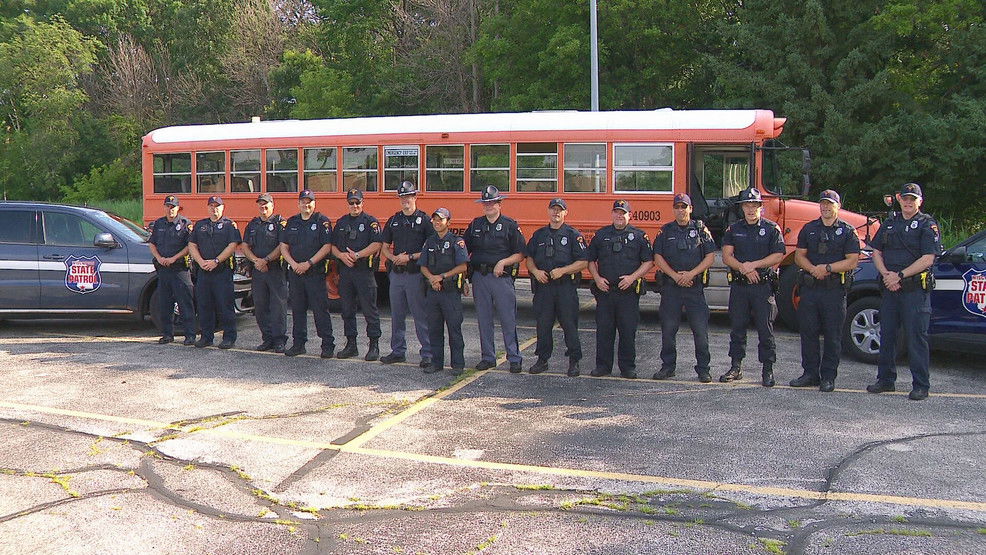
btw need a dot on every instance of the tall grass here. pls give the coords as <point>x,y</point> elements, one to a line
<point>954,231</point>
<point>132,209</point>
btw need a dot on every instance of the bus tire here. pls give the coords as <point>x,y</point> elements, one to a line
<point>861,333</point>
<point>787,297</point>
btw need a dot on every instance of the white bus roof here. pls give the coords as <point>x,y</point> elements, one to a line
<point>664,119</point>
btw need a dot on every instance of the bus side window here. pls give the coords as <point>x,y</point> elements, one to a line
<point>173,173</point>
<point>537,167</point>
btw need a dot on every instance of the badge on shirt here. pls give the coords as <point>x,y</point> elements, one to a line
<point>270,227</point>
<point>362,227</point>
<point>838,231</point>
<point>630,237</point>
<point>499,227</point>
<point>396,223</point>
<point>914,225</point>
<point>693,233</point>
<point>763,232</point>
<point>418,221</point>
<point>177,227</point>
<point>564,240</point>
<point>220,226</point>
<point>313,227</point>
<point>447,245</point>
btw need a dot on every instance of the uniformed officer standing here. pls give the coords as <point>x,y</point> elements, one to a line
<point>403,235</point>
<point>356,243</point>
<point>904,248</point>
<point>212,245</point>
<point>269,286</point>
<point>169,246</point>
<point>306,241</point>
<point>751,248</point>
<point>496,247</point>
<point>619,256</point>
<point>684,251</point>
<point>556,255</point>
<point>443,267</point>
<point>827,253</point>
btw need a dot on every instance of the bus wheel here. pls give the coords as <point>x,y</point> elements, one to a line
<point>787,300</point>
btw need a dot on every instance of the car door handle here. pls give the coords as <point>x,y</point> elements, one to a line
<point>53,257</point>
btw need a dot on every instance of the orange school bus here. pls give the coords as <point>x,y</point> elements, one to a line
<point>588,158</point>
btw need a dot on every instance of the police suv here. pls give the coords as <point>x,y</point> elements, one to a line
<point>958,303</point>
<point>59,261</point>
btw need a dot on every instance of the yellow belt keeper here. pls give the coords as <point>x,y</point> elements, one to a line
<point>924,280</point>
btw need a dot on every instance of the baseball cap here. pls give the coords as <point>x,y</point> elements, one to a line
<point>831,196</point>
<point>623,205</point>
<point>171,200</point>
<point>216,199</point>
<point>265,197</point>
<point>750,195</point>
<point>682,198</point>
<point>912,189</point>
<point>354,194</point>
<point>306,194</point>
<point>442,213</point>
<point>560,203</point>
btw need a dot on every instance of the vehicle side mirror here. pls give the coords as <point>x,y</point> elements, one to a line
<point>958,255</point>
<point>105,241</point>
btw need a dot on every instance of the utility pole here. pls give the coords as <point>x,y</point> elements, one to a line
<point>593,39</point>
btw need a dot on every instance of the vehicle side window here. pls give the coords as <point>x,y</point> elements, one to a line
<point>17,226</point>
<point>68,230</point>
<point>977,250</point>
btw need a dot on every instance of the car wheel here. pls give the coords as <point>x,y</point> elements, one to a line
<point>861,337</point>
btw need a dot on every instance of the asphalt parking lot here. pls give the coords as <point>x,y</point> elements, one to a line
<point>113,443</point>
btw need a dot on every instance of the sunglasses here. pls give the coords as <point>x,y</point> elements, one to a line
<point>680,206</point>
<point>355,202</point>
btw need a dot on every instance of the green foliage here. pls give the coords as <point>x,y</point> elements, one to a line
<point>115,180</point>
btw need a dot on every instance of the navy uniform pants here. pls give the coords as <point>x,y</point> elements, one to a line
<point>617,311</point>
<point>557,300</point>
<point>912,310</point>
<point>308,291</point>
<point>270,303</point>
<point>752,301</point>
<point>821,310</point>
<point>444,309</point>
<point>405,296</point>
<point>175,287</point>
<point>495,297</point>
<point>214,295</point>
<point>358,289</point>
<point>692,299</point>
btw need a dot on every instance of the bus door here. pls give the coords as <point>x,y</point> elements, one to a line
<point>717,174</point>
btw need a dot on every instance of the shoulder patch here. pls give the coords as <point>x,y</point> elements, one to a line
<point>461,243</point>
<point>234,224</point>
<point>191,227</point>
<point>284,223</point>
<point>325,224</point>
<point>374,226</point>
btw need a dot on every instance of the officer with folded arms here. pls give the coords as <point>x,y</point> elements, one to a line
<point>827,253</point>
<point>904,248</point>
<point>356,244</point>
<point>169,246</point>
<point>751,248</point>
<point>269,284</point>
<point>443,266</point>
<point>212,244</point>
<point>684,251</point>
<point>619,256</point>
<point>556,255</point>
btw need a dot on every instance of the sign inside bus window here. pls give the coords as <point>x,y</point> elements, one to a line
<point>646,215</point>
<point>400,151</point>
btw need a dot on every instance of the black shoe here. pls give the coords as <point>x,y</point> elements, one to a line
<point>485,365</point>
<point>735,373</point>
<point>515,368</point>
<point>599,372</point>
<point>203,343</point>
<point>918,394</point>
<point>457,371</point>
<point>880,387</point>
<point>538,367</point>
<point>350,350</point>
<point>295,350</point>
<point>227,344</point>
<point>425,363</point>
<point>767,376</point>
<point>265,346</point>
<point>826,386</point>
<point>664,373</point>
<point>189,341</point>
<point>326,353</point>
<point>392,358</point>
<point>804,380</point>
<point>432,369</point>
<point>373,352</point>
<point>573,368</point>
<point>629,375</point>
<point>704,376</point>
<point>165,339</point>
<point>278,348</point>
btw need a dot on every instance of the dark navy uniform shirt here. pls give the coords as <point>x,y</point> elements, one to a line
<point>619,253</point>
<point>356,232</point>
<point>903,241</point>
<point>754,241</point>
<point>304,238</point>
<point>490,243</point>
<point>828,244</point>
<point>684,248</point>
<point>171,237</point>
<point>407,233</point>
<point>441,254</point>
<point>556,248</point>
<point>212,237</point>
<point>263,237</point>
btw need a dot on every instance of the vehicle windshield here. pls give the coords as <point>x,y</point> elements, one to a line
<point>123,226</point>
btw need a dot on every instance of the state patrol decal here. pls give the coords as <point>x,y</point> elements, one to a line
<point>974,292</point>
<point>82,274</point>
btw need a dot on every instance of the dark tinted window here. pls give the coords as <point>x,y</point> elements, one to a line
<point>17,226</point>
<point>68,230</point>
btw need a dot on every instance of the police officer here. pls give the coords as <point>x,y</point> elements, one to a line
<point>443,266</point>
<point>556,255</point>
<point>904,248</point>
<point>684,251</point>
<point>619,256</point>
<point>403,236</point>
<point>306,241</point>
<point>356,244</point>
<point>827,253</point>
<point>751,248</point>
<point>212,244</point>
<point>169,246</point>
<point>496,247</point>
<point>269,286</point>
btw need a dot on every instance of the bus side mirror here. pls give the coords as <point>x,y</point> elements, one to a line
<point>805,171</point>
<point>888,200</point>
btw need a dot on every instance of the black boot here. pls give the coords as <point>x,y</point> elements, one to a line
<point>349,351</point>
<point>374,352</point>
<point>735,373</point>
<point>767,375</point>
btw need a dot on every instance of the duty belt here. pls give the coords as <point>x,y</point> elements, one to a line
<point>833,281</point>
<point>484,269</point>
<point>409,268</point>
<point>925,281</point>
<point>766,275</point>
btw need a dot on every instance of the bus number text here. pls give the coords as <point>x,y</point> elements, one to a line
<point>646,215</point>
